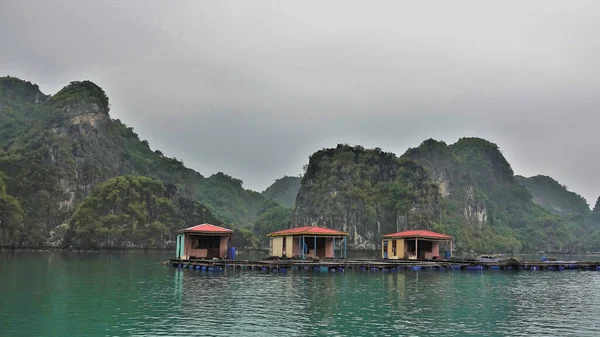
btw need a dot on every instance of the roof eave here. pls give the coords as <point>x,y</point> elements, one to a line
<point>311,234</point>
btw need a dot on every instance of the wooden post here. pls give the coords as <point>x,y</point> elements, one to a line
<point>315,249</point>
<point>450,248</point>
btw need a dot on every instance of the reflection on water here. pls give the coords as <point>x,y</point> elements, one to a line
<point>93,294</point>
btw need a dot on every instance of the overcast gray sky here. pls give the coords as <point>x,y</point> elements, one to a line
<point>252,88</point>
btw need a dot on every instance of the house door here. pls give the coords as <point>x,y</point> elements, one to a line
<point>179,251</point>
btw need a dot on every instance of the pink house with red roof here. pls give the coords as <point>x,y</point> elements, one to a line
<point>204,241</point>
<point>414,244</point>
<point>311,241</point>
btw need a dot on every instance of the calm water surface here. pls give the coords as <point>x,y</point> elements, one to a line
<point>128,294</point>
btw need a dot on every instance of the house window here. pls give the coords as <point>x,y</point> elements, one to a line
<point>207,242</point>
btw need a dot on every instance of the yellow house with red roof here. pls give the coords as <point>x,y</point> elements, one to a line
<point>311,241</point>
<point>204,241</point>
<point>413,245</point>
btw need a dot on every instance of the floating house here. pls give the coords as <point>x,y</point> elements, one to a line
<point>312,241</point>
<point>414,244</point>
<point>204,241</point>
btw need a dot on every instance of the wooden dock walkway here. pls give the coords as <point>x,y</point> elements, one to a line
<point>341,265</point>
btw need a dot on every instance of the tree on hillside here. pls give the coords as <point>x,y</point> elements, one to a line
<point>126,210</point>
<point>597,206</point>
<point>11,218</point>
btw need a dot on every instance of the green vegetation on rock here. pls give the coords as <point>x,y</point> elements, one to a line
<point>72,176</point>
<point>284,190</point>
<point>467,190</point>
<point>367,193</point>
<point>55,149</point>
<point>553,196</point>
<point>11,218</point>
<point>272,218</point>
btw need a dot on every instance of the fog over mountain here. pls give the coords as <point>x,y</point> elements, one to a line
<point>252,89</point>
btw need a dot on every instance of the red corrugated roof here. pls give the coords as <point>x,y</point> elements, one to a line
<point>309,230</point>
<point>418,234</point>
<point>206,228</point>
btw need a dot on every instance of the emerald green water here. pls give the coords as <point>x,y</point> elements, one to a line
<point>128,294</point>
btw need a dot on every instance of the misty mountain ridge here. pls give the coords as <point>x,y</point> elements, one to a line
<point>71,175</point>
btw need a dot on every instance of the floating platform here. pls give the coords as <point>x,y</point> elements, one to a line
<point>341,265</point>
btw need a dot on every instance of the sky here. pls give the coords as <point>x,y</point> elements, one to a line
<point>253,88</point>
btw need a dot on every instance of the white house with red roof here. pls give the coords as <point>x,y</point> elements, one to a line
<point>414,244</point>
<point>311,241</point>
<point>204,241</point>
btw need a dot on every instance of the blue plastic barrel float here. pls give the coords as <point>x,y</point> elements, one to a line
<point>316,268</point>
<point>231,252</point>
<point>393,270</point>
<point>534,268</point>
<point>551,268</point>
<point>561,268</point>
<point>197,268</point>
<point>441,269</point>
<point>416,268</point>
<point>474,268</point>
<point>340,270</point>
<point>495,267</point>
<point>282,270</point>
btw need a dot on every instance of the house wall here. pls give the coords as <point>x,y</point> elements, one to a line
<point>187,244</point>
<point>328,247</point>
<point>400,249</point>
<point>198,252</point>
<point>203,252</point>
<point>223,247</point>
<point>277,246</point>
<point>390,255</point>
<point>289,246</point>
<point>435,250</point>
<point>296,247</point>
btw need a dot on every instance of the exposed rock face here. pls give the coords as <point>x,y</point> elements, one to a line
<point>366,193</point>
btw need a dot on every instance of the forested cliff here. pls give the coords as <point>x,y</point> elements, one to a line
<point>70,175</point>
<point>466,189</point>
<point>54,150</point>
